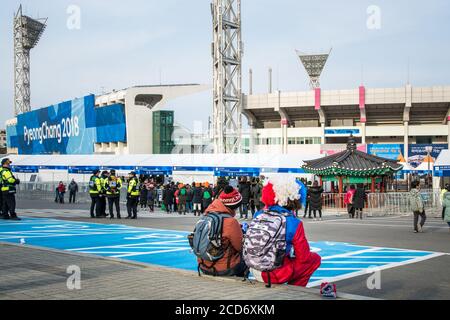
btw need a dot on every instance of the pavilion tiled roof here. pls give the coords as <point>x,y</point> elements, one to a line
<point>352,162</point>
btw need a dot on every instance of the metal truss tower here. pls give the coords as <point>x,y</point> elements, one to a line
<point>27,32</point>
<point>314,65</point>
<point>227,91</point>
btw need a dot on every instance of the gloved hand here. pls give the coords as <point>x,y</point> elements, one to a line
<point>17,181</point>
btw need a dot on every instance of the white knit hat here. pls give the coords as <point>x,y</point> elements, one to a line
<point>284,189</point>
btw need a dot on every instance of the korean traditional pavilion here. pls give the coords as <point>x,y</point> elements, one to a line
<point>353,166</point>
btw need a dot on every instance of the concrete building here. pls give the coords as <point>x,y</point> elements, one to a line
<point>292,122</point>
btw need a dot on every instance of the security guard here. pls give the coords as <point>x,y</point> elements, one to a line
<point>132,195</point>
<point>1,194</point>
<point>94,191</point>
<point>9,183</point>
<point>113,186</point>
<point>102,194</point>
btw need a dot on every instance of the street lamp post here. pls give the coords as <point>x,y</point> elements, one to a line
<point>428,149</point>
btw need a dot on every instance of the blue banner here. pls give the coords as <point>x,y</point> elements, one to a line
<point>387,151</point>
<point>236,172</point>
<point>417,152</point>
<point>71,127</point>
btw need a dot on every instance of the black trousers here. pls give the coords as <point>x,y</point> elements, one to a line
<point>102,202</point>
<point>1,203</point>
<point>306,209</point>
<point>95,205</point>
<point>314,212</point>
<point>132,203</point>
<point>423,218</point>
<point>72,196</point>
<point>9,204</point>
<point>111,202</point>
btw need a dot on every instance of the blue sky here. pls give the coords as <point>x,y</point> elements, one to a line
<point>126,43</point>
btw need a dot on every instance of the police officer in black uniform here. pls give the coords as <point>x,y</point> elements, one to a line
<point>8,188</point>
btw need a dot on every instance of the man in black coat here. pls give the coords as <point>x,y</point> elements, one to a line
<point>244,190</point>
<point>315,200</point>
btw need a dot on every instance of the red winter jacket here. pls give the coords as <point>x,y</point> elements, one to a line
<point>295,270</point>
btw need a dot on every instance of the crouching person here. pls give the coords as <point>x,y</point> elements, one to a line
<point>217,238</point>
<point>275,247</point>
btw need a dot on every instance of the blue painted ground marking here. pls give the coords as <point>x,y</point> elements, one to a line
<point>170,248</point>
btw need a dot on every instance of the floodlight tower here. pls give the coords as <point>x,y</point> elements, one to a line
<point>314,65</point>
<point>227,64</point>
<point>27,32</point>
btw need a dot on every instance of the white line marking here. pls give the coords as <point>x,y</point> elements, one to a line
<point>357,262</point>
<point>345,255</point>
<point>130,245</point>
<point>150,252</point>
<point>362,272</point>
<point>338,269</point>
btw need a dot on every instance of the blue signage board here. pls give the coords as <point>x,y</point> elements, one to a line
<point>83,169</point>
<point>155,171</point>
<point>332,132</point>
<point>199,169</point>
<point>71,127</point>
<point>388,151</point>
<point>236,172</point>
<point>25,169</point>
<point>417,152</point>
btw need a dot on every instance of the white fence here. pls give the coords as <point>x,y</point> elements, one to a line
<point>381,204</point>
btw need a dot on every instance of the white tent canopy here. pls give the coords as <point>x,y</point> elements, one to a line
<point>182,167</point>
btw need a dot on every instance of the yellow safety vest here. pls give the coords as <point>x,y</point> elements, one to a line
<point>8,180</point>
<point>133,187</point>
<point>113,185</point>
<point>95,185</point>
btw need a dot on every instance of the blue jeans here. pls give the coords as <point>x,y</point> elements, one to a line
<point>188,206</point>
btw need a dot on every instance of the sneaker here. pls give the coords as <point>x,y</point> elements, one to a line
<point>419,228</point>
<point>315,219</point>
<point>415,231</point>
<point>16,218</point>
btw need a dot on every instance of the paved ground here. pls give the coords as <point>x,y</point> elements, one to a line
<point>428,279</point>
<point>29,273</point>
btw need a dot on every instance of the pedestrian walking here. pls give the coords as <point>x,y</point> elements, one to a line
<point>143,194</point>
<point>446,207</point>
<point>189,198</point>
<point>417,207</point>
<point>61,192</point>
<point>315,200</point>
<point>308,185</point>
<point>151,196</point>
<point>244,190</point>
<point>255,198</point>
<point>73,190</point>
<point>207,196</point>
<point>168,196</point>
<point>197,199</point>
<point>359,200</point>
<point>181,195</point>
<point>348,200</point>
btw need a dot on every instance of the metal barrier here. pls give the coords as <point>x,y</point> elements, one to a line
<point>47,191</point>
<point>381,204</point>
<point>377,204</point>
